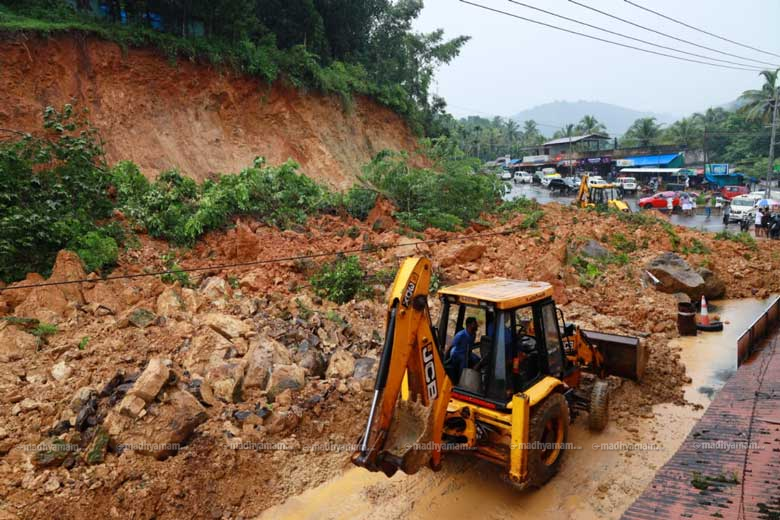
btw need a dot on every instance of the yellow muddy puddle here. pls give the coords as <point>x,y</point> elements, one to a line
<point>599,479</point>
<point>711,357</point>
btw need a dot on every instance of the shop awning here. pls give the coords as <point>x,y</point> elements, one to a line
<point>672,160</point>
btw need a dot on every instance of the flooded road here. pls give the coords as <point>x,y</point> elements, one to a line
<point>543,196</point>
<point>599,478</point>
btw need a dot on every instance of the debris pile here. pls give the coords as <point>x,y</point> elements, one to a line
<point>231,381</point>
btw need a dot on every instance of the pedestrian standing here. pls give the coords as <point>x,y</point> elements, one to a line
<point>670,204</point>
<point>765,222</point>
<point>708,207</point>
<point>758,223</point>
<point>726,214</point>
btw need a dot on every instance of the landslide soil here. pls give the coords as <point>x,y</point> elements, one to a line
<point>194,117</point>
<point>210,479</point>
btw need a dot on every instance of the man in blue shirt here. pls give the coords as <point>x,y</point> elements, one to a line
<point>461,343</point>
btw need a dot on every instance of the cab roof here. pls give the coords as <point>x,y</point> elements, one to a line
<point>501,292</point>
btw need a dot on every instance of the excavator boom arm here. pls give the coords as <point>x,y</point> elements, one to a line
<point>406,434</point>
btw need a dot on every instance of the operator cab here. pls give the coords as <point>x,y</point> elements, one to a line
<point>602,195</point>
<point>518,340</point>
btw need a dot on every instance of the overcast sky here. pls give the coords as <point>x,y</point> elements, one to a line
<point>511,65</point>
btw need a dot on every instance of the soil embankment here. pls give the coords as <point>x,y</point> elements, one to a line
<point>185,115</point>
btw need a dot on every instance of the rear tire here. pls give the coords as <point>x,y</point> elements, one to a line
<point>598,411</point>
<point>648,206</point>
<point>549,425</point>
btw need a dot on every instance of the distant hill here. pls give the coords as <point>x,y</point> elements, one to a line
<point>560,113</point>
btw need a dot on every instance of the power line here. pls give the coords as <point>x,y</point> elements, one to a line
<point>603,39</point>
<point>700,30</point>
<point>360,250</point>
<point>669,35</point>
<point>631,37</point>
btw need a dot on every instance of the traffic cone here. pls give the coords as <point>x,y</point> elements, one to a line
<point>705,316</point>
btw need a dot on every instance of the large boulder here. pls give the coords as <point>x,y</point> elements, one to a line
<point>151,380</point>
<point>248,244</point>
<point>228,326</point>
<point>174,301</point>
<point>675,275</point>
<point>714,287</point>
<point>207,348</point>
<point>15,344</point>
<point>285,377</point>
<point>46,304</point>
<point>67,268</point>
<point>462,254</point>
<point>341,365</point>
<point>162,431</point>
<point>102,296</point>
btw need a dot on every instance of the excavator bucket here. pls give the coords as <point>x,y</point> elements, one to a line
<point>624,356</point>
<point>408,444</point>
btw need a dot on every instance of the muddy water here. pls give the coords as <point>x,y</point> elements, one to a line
<point>599,479</point>
<point>711,358</point>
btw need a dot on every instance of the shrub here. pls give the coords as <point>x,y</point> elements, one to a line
<point>742,237</point>
<point>359,202</point>
<point>53,189</point>
<point>448,195</point>
<point>96,250</point>
<point>341,281</point>
<point>622,244</point>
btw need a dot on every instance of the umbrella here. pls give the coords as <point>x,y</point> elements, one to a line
<point>766,203</point>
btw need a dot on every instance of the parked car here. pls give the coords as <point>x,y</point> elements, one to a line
<point>548,177</point>
<point>573,183</point>
<point>729,192</point>
<point>628,184</point>
<point>523,178</point>
<point>594,180</point>
<point>743,207</point>
<point>506,175</point>
<point>659,200</point>
<point>556,184</point>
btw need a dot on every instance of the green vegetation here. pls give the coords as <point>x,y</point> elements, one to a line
<point>44,330</point>
<point>622,244</point>
<point>446,195</point>
<point>84,342</point>
<point>96,250</point>
<point>175,272</point>
<point>335,46</point>
<point>53,193</point>
<point>742,237</point>
<point>341,281</point>
<point>696,247</point>
<point>703,482</point>
<point>672,233</point>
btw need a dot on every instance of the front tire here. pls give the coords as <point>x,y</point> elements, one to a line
<point>549,429</point>
<point>598,411</point>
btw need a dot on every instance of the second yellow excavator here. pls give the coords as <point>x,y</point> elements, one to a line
<point>600,195</point>
<point>512,403</point>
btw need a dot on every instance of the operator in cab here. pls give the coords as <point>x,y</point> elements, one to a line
<point>461,344</point>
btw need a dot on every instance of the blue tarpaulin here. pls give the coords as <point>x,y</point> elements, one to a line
<point>649,161</point>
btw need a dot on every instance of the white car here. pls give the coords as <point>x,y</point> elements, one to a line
<point>523,178</point>
<point>742,207</point>
<point>595,180</point>
<point>506,175</point>
<point>628,184</point>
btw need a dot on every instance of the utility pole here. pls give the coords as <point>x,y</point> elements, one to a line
<point>772,145</point>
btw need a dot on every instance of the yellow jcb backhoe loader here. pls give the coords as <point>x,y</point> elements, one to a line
<point>600,195</point>
<point>512,407</point>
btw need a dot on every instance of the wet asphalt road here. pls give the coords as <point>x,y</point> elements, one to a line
<point>543,195</point>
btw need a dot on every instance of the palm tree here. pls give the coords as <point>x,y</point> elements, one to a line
<point>590,125</point>
<point>644,131</point>
<point>567,131</point>
<point>686,132</point>
<point>531,135</point>
<point>759,104</point>
<point>511,133</point>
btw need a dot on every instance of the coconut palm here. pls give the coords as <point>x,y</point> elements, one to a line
<point>686,131</point>
<point>590,125</point>
<point>759,104</point>
<point>644,131</point>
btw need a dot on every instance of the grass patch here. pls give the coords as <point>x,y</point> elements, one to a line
<point>743,237</point>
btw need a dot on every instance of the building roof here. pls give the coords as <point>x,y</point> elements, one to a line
<point>504,293</point>
<point>651,160</point>
<point>577,139</point>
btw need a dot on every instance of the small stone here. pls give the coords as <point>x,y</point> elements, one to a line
<point>141,318</point>
<point>51,485</point>
<point>61,371</point>
<point>132,405</point>
<point>341,365</point>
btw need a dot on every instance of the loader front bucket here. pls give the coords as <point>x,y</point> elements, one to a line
<point>624,356</point>
<point>409,439</point>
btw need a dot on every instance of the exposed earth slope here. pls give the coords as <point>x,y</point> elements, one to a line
<point>194,117</point>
